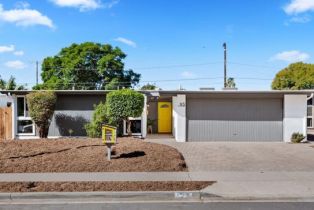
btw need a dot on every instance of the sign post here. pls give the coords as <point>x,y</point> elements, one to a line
<point>109,138</point>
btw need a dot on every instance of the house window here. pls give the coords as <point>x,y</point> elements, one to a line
<point>310,122</point>
<point>309,111</point>
<point>310,116</point>
<point>136,126</point>
<point>25,125</point>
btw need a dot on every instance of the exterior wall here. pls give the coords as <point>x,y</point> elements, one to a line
<point>153,114</point>
<point>235,119</point>
<point>73,112</point>
<point>179,117</point>
<point>295,115</point>
<point>144,118</point>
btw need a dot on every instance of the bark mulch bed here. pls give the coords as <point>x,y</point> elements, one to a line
<point>100,186</point>
<point>87,155</point>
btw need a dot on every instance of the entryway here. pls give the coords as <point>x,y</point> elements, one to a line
<point>164,117</point>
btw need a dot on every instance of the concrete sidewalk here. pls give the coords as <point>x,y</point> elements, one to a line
<point>230,185</point>
<point>219,176</point>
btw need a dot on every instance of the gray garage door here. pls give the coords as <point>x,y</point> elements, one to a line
<point>234,120</point>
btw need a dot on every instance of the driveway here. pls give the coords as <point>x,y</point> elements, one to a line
<point>254,157</point>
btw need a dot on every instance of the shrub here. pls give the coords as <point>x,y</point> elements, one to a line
<point>41,107</point>
<point>297,137</point>
<point>93,129</point>
<point>123,104</point>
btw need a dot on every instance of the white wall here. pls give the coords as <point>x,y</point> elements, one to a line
<point>179,117</point>
<point>295,115</point>
<point>144,118</point>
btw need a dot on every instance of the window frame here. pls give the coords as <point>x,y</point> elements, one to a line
<point>125,133</point>
<point>23,118</point>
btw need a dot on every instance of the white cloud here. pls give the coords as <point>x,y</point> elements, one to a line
<point>24,17</point>
<point>19,53</point>
<point>9,48</point>
<point>300,19</point>
<point>291,56</point>
<point>126,41</point>
<point>111,4</point>
<point>188,75</point>
<point>299,6</point>
<point>15,64</point>
<point>82,5</point>
<point>22,5</point>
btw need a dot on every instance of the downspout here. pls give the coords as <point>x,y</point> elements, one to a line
<point>311,96</point>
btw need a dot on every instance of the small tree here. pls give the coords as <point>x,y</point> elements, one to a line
<point>231,83</point>
<point>93,129</point>
<point>149,86</point>
<point>123,104</point>
<point>41,107</point>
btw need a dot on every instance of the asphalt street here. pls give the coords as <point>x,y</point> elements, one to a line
<point>169,206</point>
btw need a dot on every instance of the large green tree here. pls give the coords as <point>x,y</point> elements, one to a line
<point>90,66</point>
<point>296,76</point>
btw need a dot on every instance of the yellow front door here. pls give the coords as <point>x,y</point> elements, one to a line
<point>164,117</point>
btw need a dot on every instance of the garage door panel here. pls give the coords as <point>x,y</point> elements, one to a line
<point>254,120</point>
<point>234,131</point>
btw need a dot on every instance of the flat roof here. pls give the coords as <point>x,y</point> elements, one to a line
<point>87,92</point>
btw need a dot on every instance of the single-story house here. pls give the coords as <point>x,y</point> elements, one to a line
<point>227,115</point>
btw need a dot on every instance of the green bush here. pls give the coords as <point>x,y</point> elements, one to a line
<point>122,104</point>
<point>41,107</point>
<point>297,137</point>
<point>93,129</point>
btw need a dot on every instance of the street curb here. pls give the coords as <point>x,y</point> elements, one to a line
<point>105,196</point>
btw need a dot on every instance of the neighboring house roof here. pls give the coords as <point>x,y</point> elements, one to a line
<point>154,92</point>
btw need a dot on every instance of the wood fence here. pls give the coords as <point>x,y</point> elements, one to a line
<point>5,123</point>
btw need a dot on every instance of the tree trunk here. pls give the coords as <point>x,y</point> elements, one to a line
<point>129,131</point>
<point>43,131</point>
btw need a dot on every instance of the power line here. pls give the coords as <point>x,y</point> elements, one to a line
<point>168,80</point>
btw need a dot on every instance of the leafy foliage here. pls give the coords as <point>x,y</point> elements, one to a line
<point>149,86</point>
<point>87,66</point>
<point>41,107</point>
<point>296,76</point>
<point>231,83</point>
<point>297,138</point>
<point>122,104</point>
<point>10,84</point>
<point>93,128</point>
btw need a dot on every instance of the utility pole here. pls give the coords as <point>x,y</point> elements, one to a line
<point>36,72</point>
<point>225,64</point>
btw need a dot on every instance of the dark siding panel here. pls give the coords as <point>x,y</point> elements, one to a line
<point>153,115</point>
<point>73,112</point>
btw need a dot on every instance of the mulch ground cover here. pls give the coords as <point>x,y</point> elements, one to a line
<point>87,155</point>
<point>100,186</point>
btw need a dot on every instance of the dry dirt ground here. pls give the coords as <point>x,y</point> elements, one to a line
<point>101,186</point>
<point>87,155</point>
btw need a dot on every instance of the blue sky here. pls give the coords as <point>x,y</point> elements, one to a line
<point>171,42</point>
